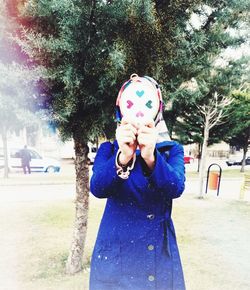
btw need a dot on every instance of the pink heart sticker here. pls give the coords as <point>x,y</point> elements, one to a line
<point>139,114</point>
<point>130,104</point>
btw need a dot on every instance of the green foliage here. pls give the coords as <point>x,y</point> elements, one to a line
<point>239,123</point>
<point>90,48</point>
<point>189,123</point>
<point>77,58</point>
<point>210,41</point>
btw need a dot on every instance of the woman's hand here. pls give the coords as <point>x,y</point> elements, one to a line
<point>147,137</point>
<point>126,136</point>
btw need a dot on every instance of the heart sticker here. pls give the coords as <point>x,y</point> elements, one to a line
<point>139,114</point>
<point>140,93</point>
<point>149,104</point>
<point>129,104</point>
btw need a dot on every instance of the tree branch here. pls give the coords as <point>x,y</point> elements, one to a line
<point>212,16</point>
<point>214,112</point>
<point>92,29</point>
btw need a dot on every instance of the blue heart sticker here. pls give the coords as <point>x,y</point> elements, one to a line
<point>140,93</point>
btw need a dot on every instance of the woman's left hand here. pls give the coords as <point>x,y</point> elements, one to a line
<point>147,137</point>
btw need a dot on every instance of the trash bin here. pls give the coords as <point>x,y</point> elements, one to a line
<point>213,180</point>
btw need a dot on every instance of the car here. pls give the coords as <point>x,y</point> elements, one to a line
<point>188,159</point>
<point>37,163</point>
<point>231,162</point>
<point>67,151</point>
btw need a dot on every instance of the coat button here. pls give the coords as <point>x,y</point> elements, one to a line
<point>151,278</point>
<point>150,216</point>
<point>151,247</point>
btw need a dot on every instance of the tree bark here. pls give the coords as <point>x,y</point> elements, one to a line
<point>74,262</point>
<point>244,159</point>
<point>199,158</point>
<point>5,153</point>
<point>203,158</point>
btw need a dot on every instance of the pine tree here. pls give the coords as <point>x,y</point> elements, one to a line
<point>90,47</point>
<point>239,123</point>
<point>74,41</point>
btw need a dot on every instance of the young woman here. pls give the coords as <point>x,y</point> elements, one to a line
<point>139,174</point>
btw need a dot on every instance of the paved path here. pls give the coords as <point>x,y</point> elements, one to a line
<point>229,189</point>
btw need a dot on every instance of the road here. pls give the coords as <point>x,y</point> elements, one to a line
<point>36,192</point>
<point>229,189</point>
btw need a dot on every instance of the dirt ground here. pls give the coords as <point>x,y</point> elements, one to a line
<point>213,236</point>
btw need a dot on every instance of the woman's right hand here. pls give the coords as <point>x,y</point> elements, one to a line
<point>126,136</point>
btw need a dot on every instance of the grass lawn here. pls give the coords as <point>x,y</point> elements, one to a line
<point>212,235</point>
<point>46,243</point>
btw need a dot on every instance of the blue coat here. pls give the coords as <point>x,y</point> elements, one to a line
<point>136,246</point>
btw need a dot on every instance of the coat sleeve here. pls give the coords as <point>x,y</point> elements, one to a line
<point>105,181</point>
<point>168,175</point>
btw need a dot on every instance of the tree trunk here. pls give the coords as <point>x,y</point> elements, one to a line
<point>5,153</point>
<point>74,262</point>
<point>244,159</point>
<point>203,158</point>
<point>199,158</point>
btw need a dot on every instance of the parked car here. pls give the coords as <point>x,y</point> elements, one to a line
<point>188,159</point>
<point>67,151</point>
<point>37,163</point>
<point>231,162</point>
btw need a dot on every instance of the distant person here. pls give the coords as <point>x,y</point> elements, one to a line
<point>25,159</point>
